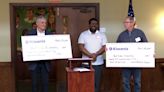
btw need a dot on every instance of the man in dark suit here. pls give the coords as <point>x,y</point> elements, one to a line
<point>39,69</point>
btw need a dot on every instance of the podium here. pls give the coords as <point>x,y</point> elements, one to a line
<point>79,81</point>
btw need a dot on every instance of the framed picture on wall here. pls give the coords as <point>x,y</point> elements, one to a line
<point>26,17</point>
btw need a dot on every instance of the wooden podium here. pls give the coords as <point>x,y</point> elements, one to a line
<point>79,81</point>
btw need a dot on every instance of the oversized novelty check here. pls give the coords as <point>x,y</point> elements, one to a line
<point>46,47</point>
<point>130,55</point>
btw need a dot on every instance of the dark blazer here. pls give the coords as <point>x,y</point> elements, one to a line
<point>33,64</point>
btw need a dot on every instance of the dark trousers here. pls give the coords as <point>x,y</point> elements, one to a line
<point>98,72</point>
<point>40,78</point>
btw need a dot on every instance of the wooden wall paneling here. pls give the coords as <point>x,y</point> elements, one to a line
<point>6,77</point>
<point>111,80</point>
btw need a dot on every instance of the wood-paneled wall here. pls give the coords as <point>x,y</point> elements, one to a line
<point>6,77</point>
<point>111,81</point>
<point>152,79</point>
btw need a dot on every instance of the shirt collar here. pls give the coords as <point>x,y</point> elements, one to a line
<point>92,33</point>
<point>40,33</point>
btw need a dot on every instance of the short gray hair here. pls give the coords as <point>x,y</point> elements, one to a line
<point>39,18</point>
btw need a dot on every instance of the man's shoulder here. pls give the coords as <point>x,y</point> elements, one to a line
<point>32,32</point>
<point>84,32</point>
<point>138,30</point>
<point>123,32</point>
<point>101,33</point>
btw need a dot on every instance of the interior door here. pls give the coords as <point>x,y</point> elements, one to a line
<point>76,21</point>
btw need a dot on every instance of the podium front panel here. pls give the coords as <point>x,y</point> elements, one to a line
<point>80,81</point>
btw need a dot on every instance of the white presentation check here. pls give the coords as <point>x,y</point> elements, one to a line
<point>130,55</point>
<point>46,47</point>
